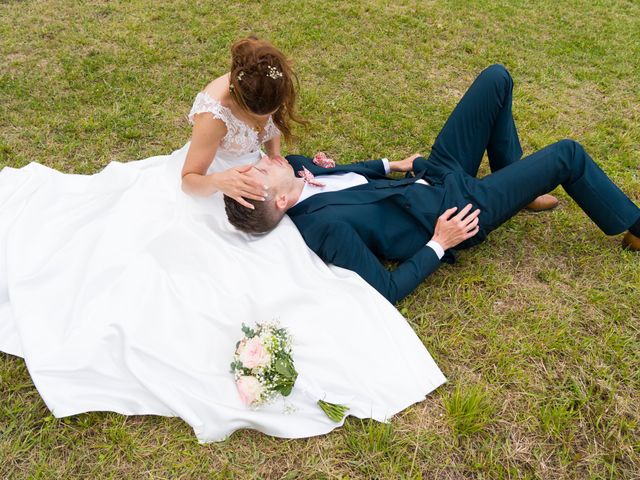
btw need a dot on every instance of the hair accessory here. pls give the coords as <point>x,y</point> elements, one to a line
<point>240,75</point>
<point>274,72</point>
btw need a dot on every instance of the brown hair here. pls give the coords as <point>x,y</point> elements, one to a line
<point>263,218</point>
<point>252,60</point>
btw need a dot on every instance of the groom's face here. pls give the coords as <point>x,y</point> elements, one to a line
<point>275,173</point>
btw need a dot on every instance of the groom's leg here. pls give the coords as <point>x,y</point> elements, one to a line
<point>481,121</point>
<point>503,193</point>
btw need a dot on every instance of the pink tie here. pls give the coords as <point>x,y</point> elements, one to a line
<point>308,177</point>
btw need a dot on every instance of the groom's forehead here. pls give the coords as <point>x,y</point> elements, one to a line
<point>259,170</point>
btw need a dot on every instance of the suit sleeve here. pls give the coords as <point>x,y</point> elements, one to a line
<point>340,245</point>
<point>419,164</point>
<point>375,165</point>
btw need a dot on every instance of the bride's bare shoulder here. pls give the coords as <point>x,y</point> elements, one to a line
<point>219,89</point>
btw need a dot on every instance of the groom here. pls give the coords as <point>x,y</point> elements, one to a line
<point>352,215</point>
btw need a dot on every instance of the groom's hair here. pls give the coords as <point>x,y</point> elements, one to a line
<point>262,219</point>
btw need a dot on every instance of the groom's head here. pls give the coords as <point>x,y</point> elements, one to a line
<point>278,176</point>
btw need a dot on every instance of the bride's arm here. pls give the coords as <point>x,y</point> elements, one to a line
<point>273,147</point>
<point>205,139</point>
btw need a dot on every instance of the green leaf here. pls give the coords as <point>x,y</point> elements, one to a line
<point>284,389</point>
<point>248,331</point>
<point>285,368</point>
<point>236,364</point>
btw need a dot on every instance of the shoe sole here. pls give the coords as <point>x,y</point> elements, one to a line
<point>542,209</point>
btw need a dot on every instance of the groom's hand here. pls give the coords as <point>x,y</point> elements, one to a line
<point>452,230</point>
<point>405,165</point>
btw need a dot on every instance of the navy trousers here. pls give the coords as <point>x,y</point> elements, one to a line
<point>483,120</point>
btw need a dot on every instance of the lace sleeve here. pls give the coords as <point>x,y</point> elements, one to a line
<point>271,131</point>
<point>204,103</point>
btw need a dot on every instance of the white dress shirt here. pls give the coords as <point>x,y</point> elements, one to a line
<point>342,181</point>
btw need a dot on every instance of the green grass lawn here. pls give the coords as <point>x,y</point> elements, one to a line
<point>537,329</point>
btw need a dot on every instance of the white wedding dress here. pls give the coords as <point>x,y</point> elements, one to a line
<point>124,294</point>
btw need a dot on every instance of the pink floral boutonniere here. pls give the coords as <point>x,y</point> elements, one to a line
<point>323,161</point>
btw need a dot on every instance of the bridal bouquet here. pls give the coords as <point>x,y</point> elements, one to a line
<point>263,368</point>
<point>262,364</point>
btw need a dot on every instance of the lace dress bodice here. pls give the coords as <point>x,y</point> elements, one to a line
<point>241,143</point>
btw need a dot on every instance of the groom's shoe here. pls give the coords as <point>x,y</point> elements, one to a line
<point>631,242</point>
<point>543,202</point>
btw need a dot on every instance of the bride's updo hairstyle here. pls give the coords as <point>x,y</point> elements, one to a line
<point>261,81</point>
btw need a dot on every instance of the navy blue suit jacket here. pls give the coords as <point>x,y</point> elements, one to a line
<point>383,219</point>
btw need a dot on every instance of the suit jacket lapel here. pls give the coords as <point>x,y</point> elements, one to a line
<point>376,189</point>
<point>359,195</point>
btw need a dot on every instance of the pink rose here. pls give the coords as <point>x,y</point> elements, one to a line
<point>323,161</point>
<point>253,354</point>
<point>249,389</point>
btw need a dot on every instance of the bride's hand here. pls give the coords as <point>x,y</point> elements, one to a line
<point>235,183</point>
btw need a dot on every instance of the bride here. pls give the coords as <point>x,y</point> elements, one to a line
<point>126,290</point>
<point>234,115</point>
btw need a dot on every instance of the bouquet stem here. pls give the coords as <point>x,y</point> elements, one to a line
<point>334,411</point>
